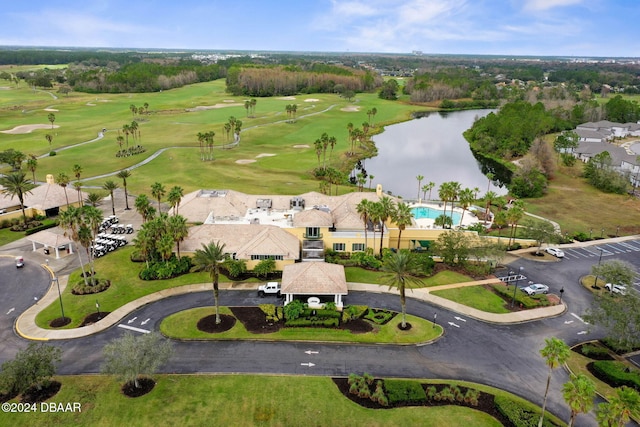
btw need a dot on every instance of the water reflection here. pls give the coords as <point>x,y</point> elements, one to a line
<point>431,146</point>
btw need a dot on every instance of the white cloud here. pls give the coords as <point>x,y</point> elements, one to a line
<point>539,5</point>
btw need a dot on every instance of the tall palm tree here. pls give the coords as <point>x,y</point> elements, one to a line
<point>158,191</point>
<point>32,165</point>
<point>78,187</point>
<point>123,175</point>
<point>402,217</point>
<point>555,353</point>
<point>144,243</point>
<point>208,259</point>
<point>92,218</point>
<point>77,171</point>
<point>49,139</point>
<point>15,184</point>
<point>63,180</point>
<point>466,200</point>
<point>178,230</point>
<point>419,178</point>
<point>69,220</point>
<point>363,209</point>
<point>431,185</point>
<point>126,129</point>
<point>144,208</point>
<point>514,215</point>
<point>111,186</point>
<point>454,194</point>
<point>617,411</point>
<point>386,210</point>
<point>175,197</point>
<point>401,271</point>
<point>488,199</point>
<point>490,176</point>
<point>374,111</point>
<point>371,177</point>
<point>579,393</point>
<point>443,194</point>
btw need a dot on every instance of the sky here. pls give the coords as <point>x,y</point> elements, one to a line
<point>582,28</point>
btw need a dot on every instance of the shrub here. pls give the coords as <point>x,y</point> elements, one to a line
<point>173,267</point>
<point>581,237</point>
<point>471,397</point>
<point>447,394</point>
<point>235,267</point>
<point>404,391</point>
<point>52,153</point>
<point>431,392</point>
<point>379,396</point>
<point>270,312</point>
<point>379,317</point>
<point>595,351</point>
<point>352,312</point>
<point>293,310</point>
<point>82,289</point>
<point>330,306</point>
<point>616,374</point>
<point>518,414</point>
<point>366,260</point>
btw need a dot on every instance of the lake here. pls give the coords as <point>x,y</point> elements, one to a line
<point>431,146</point>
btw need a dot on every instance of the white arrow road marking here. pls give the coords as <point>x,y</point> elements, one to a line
<point>460,319</point>
<point>579,318</point>
<point>144,322</point>
<point>582,332</point>
<point>568,322</point>
<point>311,352</point>
<point>453,324</point>
<point>132,320</point>
<point>132,328</point>
<point>10,310</point>
<point>308,364</point>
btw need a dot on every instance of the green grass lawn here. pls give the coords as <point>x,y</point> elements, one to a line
<point>475,296</point>
<point>361,275</point>
<point>182,325</point>
<point>234,400</point>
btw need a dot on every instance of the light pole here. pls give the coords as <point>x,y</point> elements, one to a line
<point>595,285</point>
<point>98,308</point>
<point>561,292</point>
<point>515,287</point>
<point>55,279</point>
<point>435,316</point>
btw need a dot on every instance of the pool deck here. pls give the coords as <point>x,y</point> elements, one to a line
<point>467,219</point>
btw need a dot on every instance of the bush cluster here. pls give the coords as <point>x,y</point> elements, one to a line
<point>40,228</point>
<point>314,321</point>
<point>405,391</point>
<point>616,374</point>
<point>361,387</point>
<point>138,149</point>
<point>453,393</point>
<point>352,312</point>
<point>83,289</point>
<point>173,267</point>
<point>595,351</point>
<point>272,312</point>
<point>518,414</point>
<point>379,317</point>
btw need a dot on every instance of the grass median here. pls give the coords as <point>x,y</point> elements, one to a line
<point>182,325</point>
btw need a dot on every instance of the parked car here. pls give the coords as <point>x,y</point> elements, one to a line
<point>616,289</point>
<point>556,252</point>
<point>535,289</point>
<point>271,288</point>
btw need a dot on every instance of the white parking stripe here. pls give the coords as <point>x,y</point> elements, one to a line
<point>133,328</point>
<point>616,249</point>
<point>629,247</point>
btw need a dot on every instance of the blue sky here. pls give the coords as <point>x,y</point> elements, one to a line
<point>583,28</point>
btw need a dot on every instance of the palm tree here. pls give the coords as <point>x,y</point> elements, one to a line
<point>555,353</point>
<point>363,208</point>
<point>371,177</point>
<point>70,220</point>
<point>144,208</point>
<point>332,143</point>
<point>490,177</point>
<point>78,187</point>
<point>386,209</point>
<point>175,197</point>
<point>158,191</point>
<point>208,259</point>
<point>123,175</point>
<point>93,199</point>
<point>431,185</point>
<point>402,270</point>
<point>419,178</point>
<point>32,165</point>
<point>126,129</point>
<point>402,217</point>
<point>454,194</point>
<point>374,111</point>
<point>92,218</point>
<point>466,200</point>
<point>514,215</point>
<point>63,181</point>
<point>111,186</point>
<point>15,184</point>
<point>617,411</point>
<point>443,194</point>
<point>144,243</point>
<point>178,230</point>
<point>488,198</point>
<point>579,393</point>
<point>49,139</point>
<point>77,171</point>
<point>120,141</point>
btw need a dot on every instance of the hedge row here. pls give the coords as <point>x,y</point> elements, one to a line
<point>314,321</point>
<point>616,374</point>
<point>518,414</point>
<point>406,391</point>
<point>30,231</point>
<point>308,312</point>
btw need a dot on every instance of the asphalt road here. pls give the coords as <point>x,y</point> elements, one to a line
<point>505,356</point>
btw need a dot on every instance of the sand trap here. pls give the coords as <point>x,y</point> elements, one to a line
<point>350,109</point>
<point>288,98</point>
<point>50,109</point>
<point>229,100</point>
<point>301,146</point>
<point>264,155</point>
<point>28,128</point>
<point>213,107</point>
<point>311,100</point>
<point>245,161</point>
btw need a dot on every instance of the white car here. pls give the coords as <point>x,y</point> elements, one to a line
<point>535,289</point>
<point>616,289</point>
<point>556,252</point>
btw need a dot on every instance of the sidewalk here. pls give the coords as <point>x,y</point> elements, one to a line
<point>27,328</point>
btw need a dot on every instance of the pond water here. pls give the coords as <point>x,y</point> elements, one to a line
<point>431,146</point>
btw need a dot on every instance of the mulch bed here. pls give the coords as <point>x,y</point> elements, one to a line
<point>255,321</point>
<point>146,385</point>
<point>33,395</point>
<point>485,401</point>
<point>208,323</point>
<point>93,318</point>
<point>60,322</point>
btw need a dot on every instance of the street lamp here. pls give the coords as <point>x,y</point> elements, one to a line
<point>515,287</point>
<point>98,308</point>
<point>435,316</point>
<point>595,285</point>
<point>561,292</point>
<point>55,279</point>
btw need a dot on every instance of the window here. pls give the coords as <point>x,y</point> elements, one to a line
<point>313,232</point>
<point>261,257</point>
<point>339,247</point>
<point>357,247</point>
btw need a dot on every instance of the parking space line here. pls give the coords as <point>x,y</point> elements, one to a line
<point>616,249</point>
<point>581,254</point>
<point>633,244</point>
<point>629,247</point>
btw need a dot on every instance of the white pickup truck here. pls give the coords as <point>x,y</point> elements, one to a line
<point>270,288</point>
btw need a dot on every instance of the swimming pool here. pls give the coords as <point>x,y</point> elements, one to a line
<point>432,213</point>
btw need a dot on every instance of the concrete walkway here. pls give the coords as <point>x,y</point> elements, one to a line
<point>27,328</point>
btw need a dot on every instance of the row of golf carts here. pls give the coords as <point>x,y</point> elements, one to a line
<point>110,241</point>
